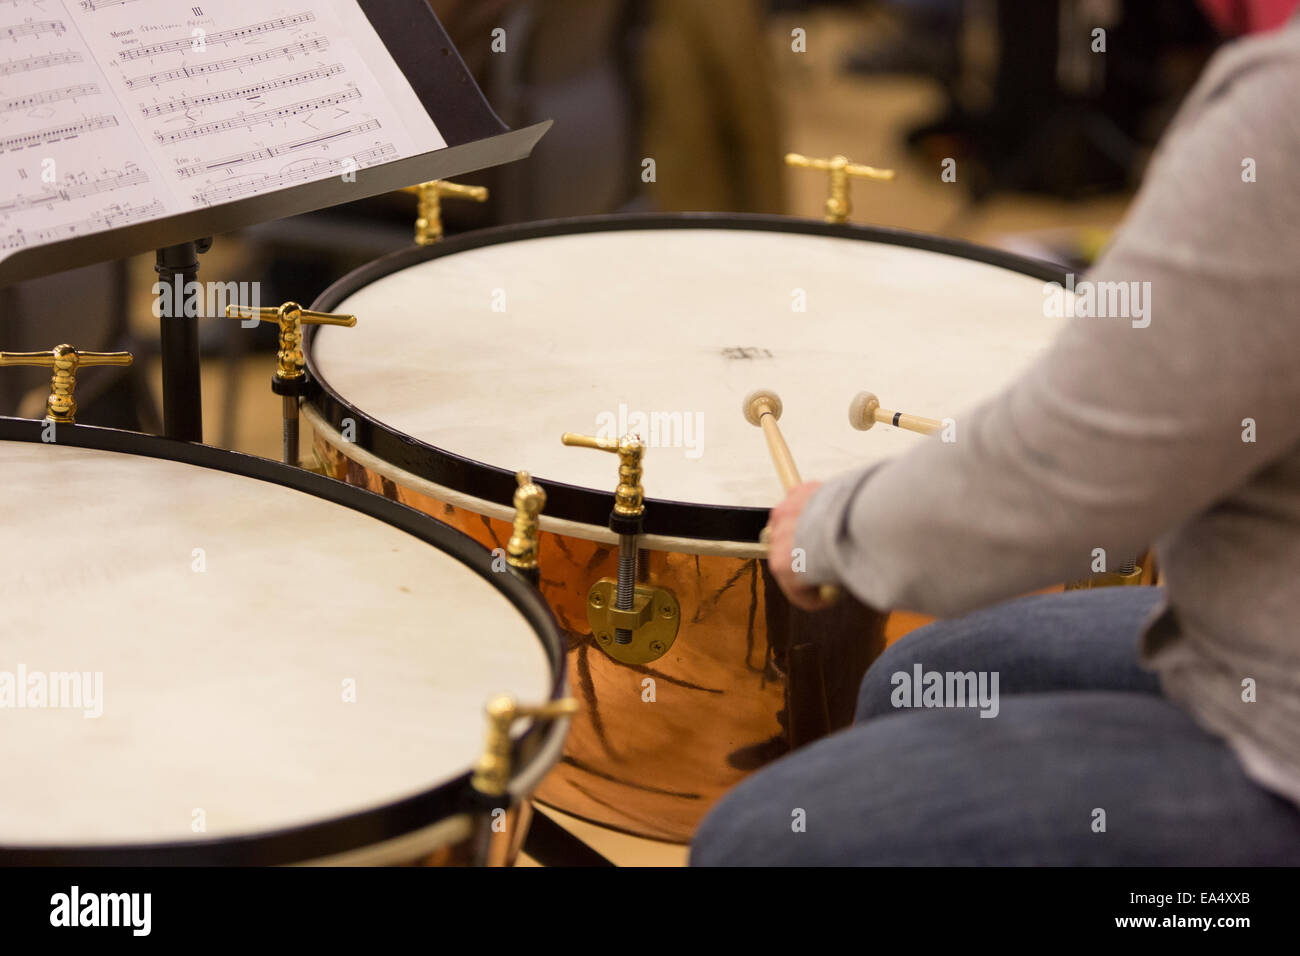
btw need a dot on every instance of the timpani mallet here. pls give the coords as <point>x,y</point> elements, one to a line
<point>763,409</point>
<point>865,411</point>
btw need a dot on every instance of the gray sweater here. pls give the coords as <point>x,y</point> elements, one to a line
<point>1131,431</point>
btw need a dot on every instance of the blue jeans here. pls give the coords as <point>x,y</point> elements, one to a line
<point>1085,763</point>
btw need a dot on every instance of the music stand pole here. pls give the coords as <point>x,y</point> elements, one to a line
<point>181,388</point>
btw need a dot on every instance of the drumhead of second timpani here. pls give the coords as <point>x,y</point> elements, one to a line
<point>595,327</point>
<point>225,615</point>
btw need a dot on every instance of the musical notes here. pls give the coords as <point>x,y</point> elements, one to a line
<point>187,103</point>
<point>56,133</point>
<point>316,169</point>
<point>32,29</point>
<point>115,215</point>
<point>27,64</point>
<point>186,43</point>
<point>46,97</point>
<point>256,119</point>
<point>257,155</point>
<point>160,108</point>
<point>233,63</point>
<point>76,190</point>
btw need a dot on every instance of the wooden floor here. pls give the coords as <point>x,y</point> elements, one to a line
<point>826,113</point>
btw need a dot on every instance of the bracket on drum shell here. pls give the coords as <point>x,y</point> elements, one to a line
<point>632,623</point>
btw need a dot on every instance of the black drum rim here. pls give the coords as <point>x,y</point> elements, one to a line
<point>587,506</point>
<point>337,835</point>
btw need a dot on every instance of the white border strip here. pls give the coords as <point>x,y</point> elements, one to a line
<point>563,526</point>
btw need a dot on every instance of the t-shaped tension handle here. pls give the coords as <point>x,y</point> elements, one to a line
<point>629,497</point>
<point>838,204</point>
<point>491,775</point>
<point>428,225</point>
<point>291,364</point>
<point>521,550</point>
<point>65,360</point>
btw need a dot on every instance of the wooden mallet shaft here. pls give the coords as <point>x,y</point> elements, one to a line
<point>865,411</point>
<point>763,408</point>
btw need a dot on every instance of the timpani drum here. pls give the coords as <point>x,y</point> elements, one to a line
<point>470,358</point>
<point>215,659</point>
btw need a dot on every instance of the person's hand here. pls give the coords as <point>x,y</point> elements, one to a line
<point>780,557</point>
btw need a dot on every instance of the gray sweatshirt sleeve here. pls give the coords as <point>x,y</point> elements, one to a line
<point>1123,429</point>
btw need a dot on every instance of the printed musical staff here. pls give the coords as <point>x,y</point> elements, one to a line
<point>256,119</point>
<point>221,36</point>
<point>136,114</point>
<point>76,190</point>
<point>115,215</point>
<point>233,63</point>
<point>49,96</point>
<point>29,63</point>
<point>32,29</point>
<point>316,169</point>
<point>56,133</point>
<point>257,155</point>
<point>244,92</point>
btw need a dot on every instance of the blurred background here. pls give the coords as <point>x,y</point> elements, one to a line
<point>1049,140</point>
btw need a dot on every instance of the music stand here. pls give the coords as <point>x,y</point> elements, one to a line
<point>476,139</point>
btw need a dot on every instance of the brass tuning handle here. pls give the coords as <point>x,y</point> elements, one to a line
<point>838,203</point>
<point>626,618</point>
<point>290,362</point>
<point>491,775</point>
<point>629,497</point>
<point>428,224</point>
<point>530,499</point>
<point>66,361</point>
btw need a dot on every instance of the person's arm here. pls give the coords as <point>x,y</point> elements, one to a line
<point>1118,433</point>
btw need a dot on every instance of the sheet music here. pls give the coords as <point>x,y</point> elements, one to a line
<point>118,111</point>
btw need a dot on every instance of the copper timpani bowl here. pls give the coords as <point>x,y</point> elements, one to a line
<point>749,677</point>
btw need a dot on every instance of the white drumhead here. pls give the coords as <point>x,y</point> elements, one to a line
<point>226,615</point>
<point>685,321</point>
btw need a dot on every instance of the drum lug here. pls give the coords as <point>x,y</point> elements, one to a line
<point>428,225</point>
<point>290,317</point>
<point>841,171</point>
<point>525,534</point>
<point>652,623</point>
<point>61,407</point>
<point>629,496</point>
<point>491,776</point>
<point>290,380</point>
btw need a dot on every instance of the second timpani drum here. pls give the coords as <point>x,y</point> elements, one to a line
<point>472,357</point>
<point>216,659</point>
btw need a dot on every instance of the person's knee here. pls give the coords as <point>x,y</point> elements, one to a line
<point>732,834</point>
<point>942,645</point>
<point>714,842</point>
<point>795,812</point>
<point>1085,639</point>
